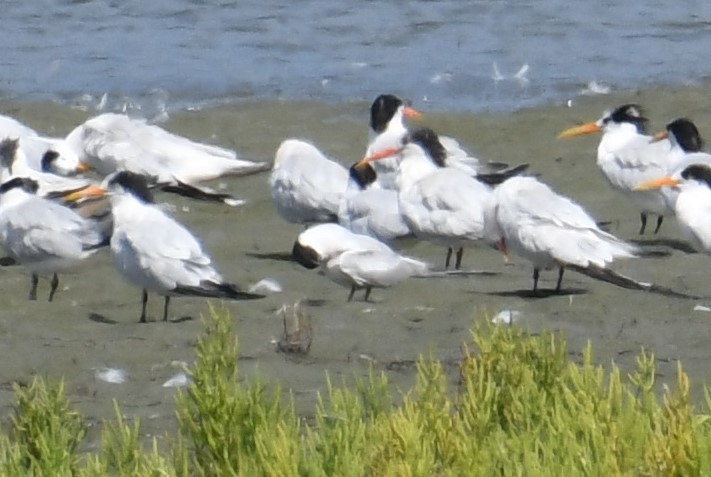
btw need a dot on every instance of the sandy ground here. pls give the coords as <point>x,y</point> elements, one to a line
<point>93,322</point>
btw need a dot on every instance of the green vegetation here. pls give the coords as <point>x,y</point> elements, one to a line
<point>520,407</point>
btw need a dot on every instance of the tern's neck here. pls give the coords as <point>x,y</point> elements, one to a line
<point>391,136</point>
<point>14,197</point>
<point>414,165</point>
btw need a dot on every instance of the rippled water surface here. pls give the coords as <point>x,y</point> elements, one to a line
<point>461,55</point>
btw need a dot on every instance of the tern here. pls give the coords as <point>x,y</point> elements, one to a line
<point>353,260</point>
<point>157,254</point>
<point>627,156</point>
<point>549,230</point>
<point>114,142</point>
<point>42,235</point>
<point>305,185</point>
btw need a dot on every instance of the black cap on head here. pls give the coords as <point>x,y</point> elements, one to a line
<point>699,172</point>
<point>630,113</point>
<point>429,141</point>
<point>304,256</point>
<point>24,183</point>
<point>363,174</point>
<point>47,159</point>
<point>382,111</point>
<point>686,134</point>
<point>133,183</point>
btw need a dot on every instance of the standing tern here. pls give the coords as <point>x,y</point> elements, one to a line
<point>627,156</point>
<point>353,260</point>
<point>306,186</point>
<point>527,217</point>
<point>387,130</point>
<point>42,235</point>
<point>440,204</point>
<point>155,253</point>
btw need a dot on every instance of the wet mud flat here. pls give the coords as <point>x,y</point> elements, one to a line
<point>93,322</point>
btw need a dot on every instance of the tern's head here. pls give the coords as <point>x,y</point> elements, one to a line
<point>25,184</point>
<point>61,164</point>
<point>126,182</point>
<point>694,173</point>
<point>363,174</point>
<point>384,108</point>
<point>623,116</point>
<point>683,133</point>
<point>425,138</point>
<point>428,140</point>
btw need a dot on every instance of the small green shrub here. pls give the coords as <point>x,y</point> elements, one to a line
<point>519,407</point>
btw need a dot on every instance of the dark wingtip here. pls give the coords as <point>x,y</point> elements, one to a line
<point>197,193</point>
<point>216,290</point>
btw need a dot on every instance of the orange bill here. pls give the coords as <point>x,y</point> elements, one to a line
<point>412,113</point>
<point>587,128</point>
<point>90,191</point>
<point>657,184</point>
<point>661,135</point>
<point>83,167</point>
<point>382,154</point>
<point>501,247</point>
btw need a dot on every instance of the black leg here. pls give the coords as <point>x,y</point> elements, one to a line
<point>660,219</point>
<point>449,256</point>
<point>54,284</point>
<point>367,293</point>
<point>350,295</point>
<point>144,300</point>
<point>165,308</point>
<point>643,218</point>
<point>33,287</point>
<point>460,254</point>
<point>560,279</point>
<point>535,281</point>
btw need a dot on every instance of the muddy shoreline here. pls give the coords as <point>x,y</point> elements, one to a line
<point>93,322</point>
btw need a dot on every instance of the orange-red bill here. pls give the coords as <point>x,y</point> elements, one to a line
<point>382,154</point>
<point>411,113</point>
<point>84,193</point>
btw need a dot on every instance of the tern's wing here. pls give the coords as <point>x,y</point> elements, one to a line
<point>378,269</point>
<point>163,249</point>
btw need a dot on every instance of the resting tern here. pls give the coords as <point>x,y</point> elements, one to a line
<point>627,156</point>
<point>527,217</point>
<point>14,163</point>
<point>353,260</point>
<point>306,186</point>
<point>115,142</point>
<point>440,204</point>
<point>154,252</point>
<point>12,128</point>
<point>42,235</point>
<point>368,209</point>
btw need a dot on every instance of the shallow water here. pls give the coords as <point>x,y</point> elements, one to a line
<point>93,322</point>
<point>452,55</point>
